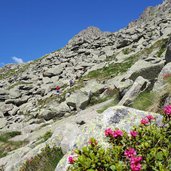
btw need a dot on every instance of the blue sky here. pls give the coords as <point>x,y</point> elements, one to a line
<point>30,29</point>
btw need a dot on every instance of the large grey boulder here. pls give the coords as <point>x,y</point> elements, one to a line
<point>3,122</point>
<point>78,100</point>
<point>139,86</point>
<point>162,77</point>
<point>53,71</point>
<point>147,69</point>
<point>3,95</point>
<point>168,52</point>
<point>19,101</point>
<point>93,86</point>
<point>6,109</point>
<point>55,111</point>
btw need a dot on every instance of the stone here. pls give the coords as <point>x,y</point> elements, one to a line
<point>3,122</point>
<point>78,100</point>
<point>53,71</point>
<point>168,52</point>
<point>94,87</point>
<point>147,70</point>
<point>162,77</point>
<point>138,86</point>
<point>18,102</point>
<point>3,95</point>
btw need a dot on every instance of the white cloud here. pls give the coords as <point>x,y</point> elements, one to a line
<point>18,60</point>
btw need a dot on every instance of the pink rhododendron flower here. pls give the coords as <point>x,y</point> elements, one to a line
<point>108,132</point>
<point>150,117</point>
<point>71,160</point>
<point>136,167</point>
<point>167,110</point>
<point>135,159</point>
<point>117,133</point>
<point>144,121</point>
<point>134,133</point>
<point>130,152</point>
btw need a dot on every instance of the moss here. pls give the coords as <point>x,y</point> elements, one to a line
<point>6,145</point>
<point>45,161</point>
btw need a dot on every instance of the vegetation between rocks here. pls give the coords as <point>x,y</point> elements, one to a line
<point>151,101</point>
<point>45,161</point>
<point>7,145</point>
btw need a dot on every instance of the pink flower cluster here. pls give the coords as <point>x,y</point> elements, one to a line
<point>133,133</point>
<point>147,119</point>
<point>134,160</point>
<point>71,160</point>
<point>167,110</point>
<point>115,134</point>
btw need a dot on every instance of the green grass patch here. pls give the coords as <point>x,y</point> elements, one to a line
<point>109,94</point>
<point>47,160</point>
<point>144,101</point>
<point>6,145</point>
<point>112,70</point>
<point>6,136</point>
<point>14,72</point>
<point>44,138</point>
<point>161,44</point>
<point>112,103</point>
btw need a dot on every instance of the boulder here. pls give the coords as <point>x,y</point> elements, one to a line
<point>19,101</point>
<point>54,112</point>
<point>3,95</point>
<point>168,52</point>
<point>78,100</point>
<point>53,71</point>
<point>6,108</point>
<point>3,122</point>
<point>147,69</point>
<point>139,86</point>
<point>93,86</point>
<point>162,77</point>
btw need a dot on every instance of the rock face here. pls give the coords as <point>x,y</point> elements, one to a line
<point>168,52</point>
<point>162,77</point>
<point>139,86</point>
<point>132,60</point>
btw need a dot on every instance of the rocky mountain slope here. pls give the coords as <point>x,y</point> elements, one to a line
<point>108,69</point>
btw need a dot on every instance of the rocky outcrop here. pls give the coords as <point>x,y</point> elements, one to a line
<point>168,52</point>
<point>139,86</point>
<point>78,100</point>
<point>162,77</point>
